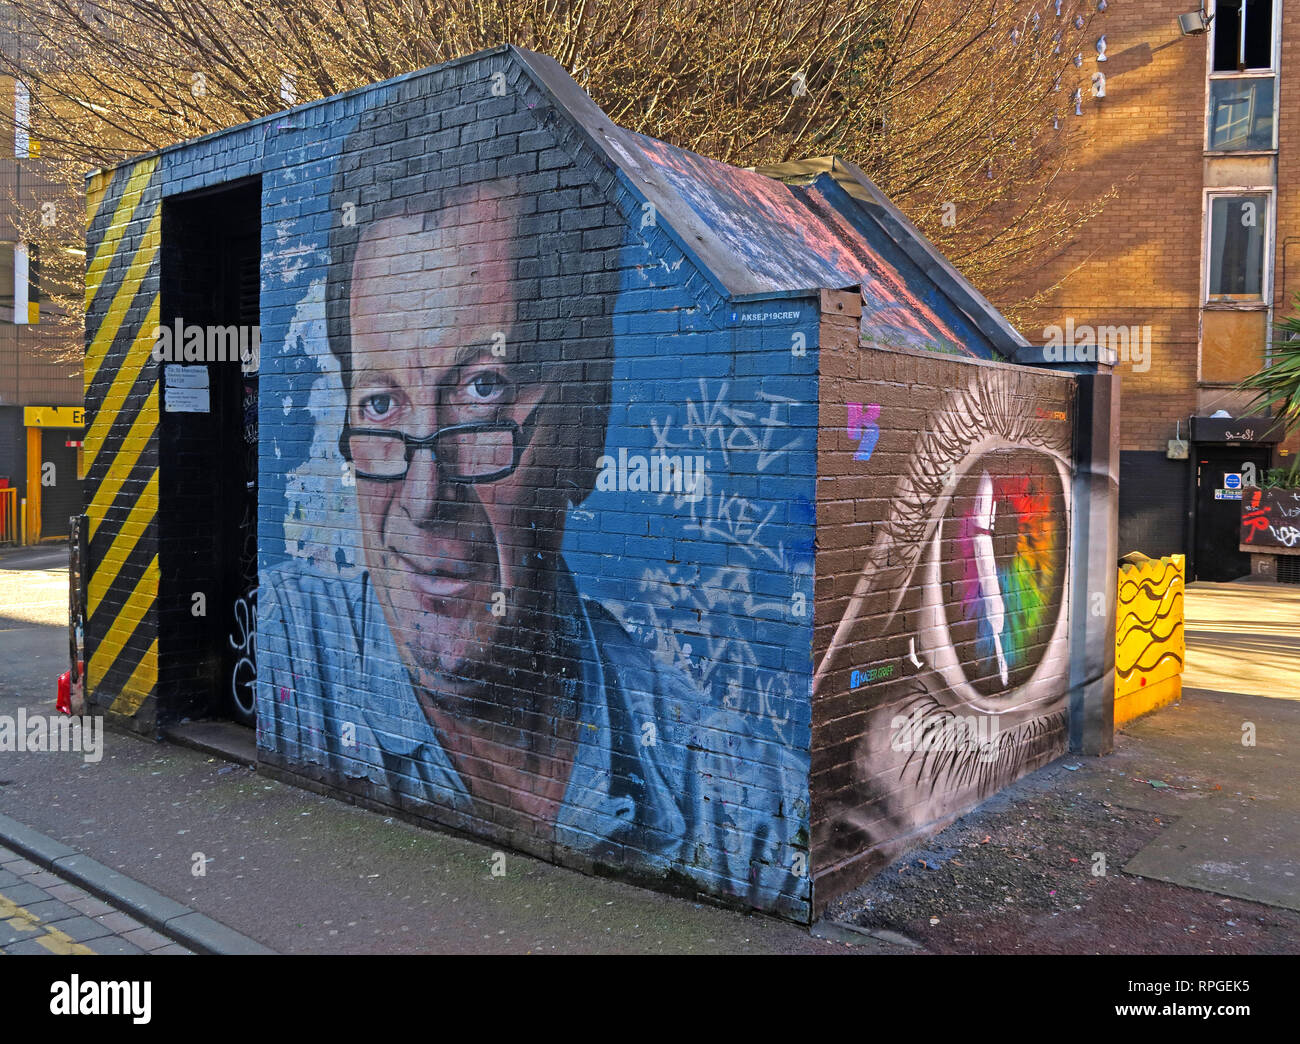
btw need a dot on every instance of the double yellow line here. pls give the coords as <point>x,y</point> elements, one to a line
<point>51,938</point>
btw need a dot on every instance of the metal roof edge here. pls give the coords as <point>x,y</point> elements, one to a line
<point>911,240</point>
<point>781,295</point>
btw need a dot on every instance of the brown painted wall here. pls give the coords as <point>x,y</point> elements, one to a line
<point>917,454</point>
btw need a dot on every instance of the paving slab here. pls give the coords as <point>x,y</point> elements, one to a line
<point>28,947</point>
<point>1250,855</point>
<point>51,911</point>
<point>11,934</point>
<point>115,946</point>
<point>81,928</point>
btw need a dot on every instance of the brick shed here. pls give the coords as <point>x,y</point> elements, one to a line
<point>523,475</point>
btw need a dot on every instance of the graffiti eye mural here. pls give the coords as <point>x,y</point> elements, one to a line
<point>947,673</point>
<point>995,575</point>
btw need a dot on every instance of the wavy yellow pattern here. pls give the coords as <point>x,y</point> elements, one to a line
<point>1149,641</point>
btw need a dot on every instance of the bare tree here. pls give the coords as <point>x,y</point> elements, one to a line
<point>961,110</point>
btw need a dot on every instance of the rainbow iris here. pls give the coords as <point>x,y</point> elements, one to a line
<point>1027,579</point>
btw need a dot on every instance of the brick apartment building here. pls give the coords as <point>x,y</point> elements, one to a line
<point>41,395</point>
<point>1200,134</point>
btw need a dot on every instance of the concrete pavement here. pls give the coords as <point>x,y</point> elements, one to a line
<point>1186,815</point>
<point>1235,741</point>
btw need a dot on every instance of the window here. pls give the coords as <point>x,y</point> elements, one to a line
<point>20,291</point>
<point>1241,113</point>
<point>22,121</point>
<point>1243,77</point>
<point>1243,35</point>
<point>33,283</point>
<point>1238,248</point>
<point>7,281</point>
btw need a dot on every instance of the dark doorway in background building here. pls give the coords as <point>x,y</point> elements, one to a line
<point>208,454</point>
<point>1152,504</point>
<point>1218,521</point>
<point>60,483</point>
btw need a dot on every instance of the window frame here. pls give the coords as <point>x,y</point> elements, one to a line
<point>8,277</point>
<point>1270,240</point>
<point>1211,76</point>
<point>1265,304</point>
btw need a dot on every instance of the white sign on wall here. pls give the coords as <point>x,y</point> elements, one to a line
<point>185,389</point>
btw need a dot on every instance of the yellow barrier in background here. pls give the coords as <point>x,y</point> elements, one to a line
<point>1149,641</point>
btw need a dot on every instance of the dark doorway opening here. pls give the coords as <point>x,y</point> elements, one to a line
<point>61,496</point>
<point>208,453</point>
<point>1218,520</point>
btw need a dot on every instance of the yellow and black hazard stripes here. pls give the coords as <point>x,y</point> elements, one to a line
<point>123,240</point>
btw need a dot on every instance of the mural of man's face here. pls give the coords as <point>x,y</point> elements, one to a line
<point>431,296</point>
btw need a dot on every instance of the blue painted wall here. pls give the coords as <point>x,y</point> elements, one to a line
<point>686,759</point>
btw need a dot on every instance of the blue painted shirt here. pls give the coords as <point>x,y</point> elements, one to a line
<point>660,782</point>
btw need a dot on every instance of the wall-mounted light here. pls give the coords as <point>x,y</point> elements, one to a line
<point>1195,23</point>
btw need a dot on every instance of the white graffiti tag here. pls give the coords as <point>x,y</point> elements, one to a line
<point>1287,536</point>
<point>702,617</point>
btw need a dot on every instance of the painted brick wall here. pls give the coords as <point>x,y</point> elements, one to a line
<point>478,608</point>
<point>121,437</point>
<point>682,618</point>
<point>943,548</point>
